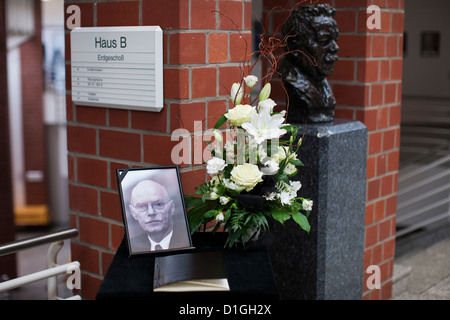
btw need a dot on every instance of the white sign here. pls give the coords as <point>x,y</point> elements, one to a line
<point>118,67</point>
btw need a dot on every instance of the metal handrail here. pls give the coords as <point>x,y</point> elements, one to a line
<point>56,241</point>
<point>37,276</point>
<point>422,197</point>
<point>424,168</point>
<point>415,213</point>
<point>31,242</point>
<point>423,182</point>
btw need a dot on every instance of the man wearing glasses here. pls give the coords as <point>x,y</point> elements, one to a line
<point>311,35</point>
<point>152,207</point>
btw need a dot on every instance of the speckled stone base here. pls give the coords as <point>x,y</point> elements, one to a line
<point>327,263</point>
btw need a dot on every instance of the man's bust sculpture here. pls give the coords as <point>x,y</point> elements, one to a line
<point>311,34</point>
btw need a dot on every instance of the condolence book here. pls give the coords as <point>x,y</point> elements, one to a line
<point>202,271</point>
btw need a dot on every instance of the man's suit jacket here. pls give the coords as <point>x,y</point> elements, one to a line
<point>180,239</point>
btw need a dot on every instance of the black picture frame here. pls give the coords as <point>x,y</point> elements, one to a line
<point>136,209</point>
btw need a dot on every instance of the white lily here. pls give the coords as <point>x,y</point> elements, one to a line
<point>236,93</point>
<point>263,126</point>
<point>265,92</point>
<point>218,136</point>
<point>268,103</point>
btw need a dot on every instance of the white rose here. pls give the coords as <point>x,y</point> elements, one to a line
<point>307,205</point>
<point>239,114</point>
<point>251,80</point>
<point>214,166</point>
<point>246,175</point>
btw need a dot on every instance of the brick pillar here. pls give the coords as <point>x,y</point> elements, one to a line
<point>203,51</point>
<point>367,85</point>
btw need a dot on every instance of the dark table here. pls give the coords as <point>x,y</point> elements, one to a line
<point>249,273</point>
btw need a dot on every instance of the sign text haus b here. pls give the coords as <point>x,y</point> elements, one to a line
<point>118,67</point>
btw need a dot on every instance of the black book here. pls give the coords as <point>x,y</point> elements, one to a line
<point>201,271</point>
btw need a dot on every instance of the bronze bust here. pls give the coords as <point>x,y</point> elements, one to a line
<point>311,34</point>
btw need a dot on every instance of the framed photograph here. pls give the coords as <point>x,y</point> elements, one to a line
<point>153,210</point>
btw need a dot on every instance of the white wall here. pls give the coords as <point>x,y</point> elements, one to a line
<point>426,76</point>
<point>52,12</point>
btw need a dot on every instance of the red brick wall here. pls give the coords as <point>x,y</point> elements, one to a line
<point>202,54</point>
<point>201,60</point>
<point>367,84</point>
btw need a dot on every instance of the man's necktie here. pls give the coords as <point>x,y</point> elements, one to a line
<point>158,247</point>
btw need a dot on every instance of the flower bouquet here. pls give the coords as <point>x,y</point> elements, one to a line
<point>250,176</point>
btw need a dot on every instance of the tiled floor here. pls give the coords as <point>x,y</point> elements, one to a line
<point>33,260</point>
<point>429,276</point>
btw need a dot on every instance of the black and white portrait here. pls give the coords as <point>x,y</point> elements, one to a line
<point>153,209</point>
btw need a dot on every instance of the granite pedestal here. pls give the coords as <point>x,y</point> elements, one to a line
<point>327,263</point>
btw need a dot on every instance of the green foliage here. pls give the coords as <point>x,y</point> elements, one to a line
<point>217,200</point>
<point>220,122</point>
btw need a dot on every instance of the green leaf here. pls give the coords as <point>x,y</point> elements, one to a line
<point>287,127</point>
<point>191,201</point>
<point>227,172</point>
<point>262,221</point>
<point>216,227</point>
<point>196,215</point>
<point>280,215</point>
<point>220,122</point>
<point>284,178</point>
<point>296,207</point>
<point>209,214</point>
<point>296,162</point>
<point>302,221</point>
<point>227,215</point>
